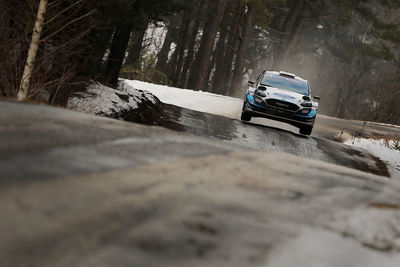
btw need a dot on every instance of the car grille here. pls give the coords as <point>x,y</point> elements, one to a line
<point>282,104</point>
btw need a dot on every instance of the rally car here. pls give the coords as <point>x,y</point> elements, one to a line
<point>281,96</point>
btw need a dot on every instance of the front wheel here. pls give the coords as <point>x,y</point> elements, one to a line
<point>245,116</point>
<point>306,130</point>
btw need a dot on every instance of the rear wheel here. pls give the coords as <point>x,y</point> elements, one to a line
<point>306,130</point>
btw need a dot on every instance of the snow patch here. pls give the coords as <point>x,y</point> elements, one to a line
<point>125,103</point>
<point>102,100</point>
<point>382,149</point>
<point>194,100</point>
<point>317,247</point>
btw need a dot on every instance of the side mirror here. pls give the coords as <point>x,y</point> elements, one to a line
<point>250,83</point>
<point>316,98</point>
<point>262,88</point>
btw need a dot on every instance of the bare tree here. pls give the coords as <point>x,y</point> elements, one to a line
<point>26,77</point>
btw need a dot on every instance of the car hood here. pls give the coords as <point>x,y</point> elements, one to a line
<point>284,95</point>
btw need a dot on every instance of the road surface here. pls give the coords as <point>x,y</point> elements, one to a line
<point>279,137</point>
<point>81,190</point>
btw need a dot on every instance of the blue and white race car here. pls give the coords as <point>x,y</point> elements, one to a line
<point>283,97</point>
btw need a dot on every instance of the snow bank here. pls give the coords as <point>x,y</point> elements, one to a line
<point>383,149</point>
<point>195,100</point>
<point>126,103</point>
<point>100,99</point>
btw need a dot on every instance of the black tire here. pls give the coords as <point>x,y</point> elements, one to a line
<point>306,130</point>
<point>244,105</point>
<point>245,116</point>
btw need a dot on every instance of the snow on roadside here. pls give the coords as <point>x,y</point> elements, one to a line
<point>195,100</point>
<point>101,99</point>
<point>119,104</point>
<point>382,149</point>
<point>203,102</point>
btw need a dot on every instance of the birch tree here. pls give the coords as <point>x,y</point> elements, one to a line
<point>26,77</point>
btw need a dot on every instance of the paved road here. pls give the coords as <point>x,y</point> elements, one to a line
<point>40,142</point>
<point>80,190</point>
<point>279,137</point>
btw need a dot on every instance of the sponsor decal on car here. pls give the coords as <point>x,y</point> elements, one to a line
<point>284,96</point>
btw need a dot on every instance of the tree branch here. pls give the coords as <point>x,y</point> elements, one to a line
<point>63,11</point>
<point>69,23</point>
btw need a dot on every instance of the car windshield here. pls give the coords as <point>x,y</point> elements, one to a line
<point>281,82</point>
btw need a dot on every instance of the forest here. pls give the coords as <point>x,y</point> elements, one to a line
<point>347,49</point>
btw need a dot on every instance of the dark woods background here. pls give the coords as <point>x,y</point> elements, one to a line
<point>348,49</point>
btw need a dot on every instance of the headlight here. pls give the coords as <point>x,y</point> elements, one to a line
<point>260,93</point>
<point>306,104</point>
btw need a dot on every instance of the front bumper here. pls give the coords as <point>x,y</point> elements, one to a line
<point>277,114</point>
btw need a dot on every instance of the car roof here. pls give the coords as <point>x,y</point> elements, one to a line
<point>286,74</point>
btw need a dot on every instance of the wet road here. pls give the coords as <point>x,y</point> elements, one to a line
<point>262,134</point>
<point>217,116</point>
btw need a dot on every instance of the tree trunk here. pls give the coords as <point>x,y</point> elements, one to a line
<point>198,74</point>
<point>191,47</point>
<point>211,67</point>
<point>219,61</point>
<point>29,66</point>
<point>219,53</point>
<point>223,81</point>
<point>293,36</point>
<point>136,42</point>
<point>169,69</point>
<point>162,57</point>
<point>95,67</point>
<point>237,79</point>
<point>117,54</point>
<point>4,27</point>
<point>180,46</point>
